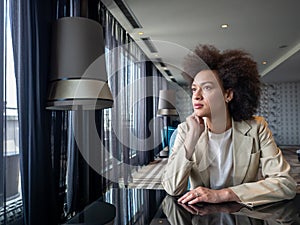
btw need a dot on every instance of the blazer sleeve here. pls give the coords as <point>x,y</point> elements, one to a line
<point>277,183</point>
<point>176,173</point>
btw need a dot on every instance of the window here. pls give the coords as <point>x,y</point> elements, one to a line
<point>10,191</point>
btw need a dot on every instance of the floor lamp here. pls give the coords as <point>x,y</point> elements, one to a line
<point>79,80</point>
<point>166,108</point>
<point>78,70</point>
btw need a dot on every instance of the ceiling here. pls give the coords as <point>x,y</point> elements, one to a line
<point>268,30</point>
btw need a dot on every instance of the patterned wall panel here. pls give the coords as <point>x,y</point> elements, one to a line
<point>280,105</point>
<point>183,101</point>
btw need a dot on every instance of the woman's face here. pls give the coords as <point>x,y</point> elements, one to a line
<point>208,95</point>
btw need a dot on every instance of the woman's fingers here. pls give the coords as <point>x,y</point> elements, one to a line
<point>202,194</point>
<point>197,118</point>
<point>189,197</point>
<point>183,197</point>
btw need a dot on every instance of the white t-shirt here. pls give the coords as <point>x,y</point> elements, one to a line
<point>220,150</point>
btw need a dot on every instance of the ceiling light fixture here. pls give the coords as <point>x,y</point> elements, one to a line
<point>140,33</point>
<point>224,26</point>
<point>264,62</point>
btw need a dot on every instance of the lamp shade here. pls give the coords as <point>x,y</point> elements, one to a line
<point>167,100</point>
<point>78,70</point>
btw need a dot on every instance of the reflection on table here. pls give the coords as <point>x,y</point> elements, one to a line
<point>155,207</point>
<point>121,206</point>
<point>285,212</point>
<point>134,206</point>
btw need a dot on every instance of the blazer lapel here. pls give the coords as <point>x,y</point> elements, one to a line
<point>242,148</point>
<point>202,158</point>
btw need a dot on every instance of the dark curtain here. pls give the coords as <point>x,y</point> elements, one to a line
<point>85,183</point>
<point>30,32</point>
<point>51,163</point>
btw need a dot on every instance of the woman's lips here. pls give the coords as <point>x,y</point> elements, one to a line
<point>198,106</point>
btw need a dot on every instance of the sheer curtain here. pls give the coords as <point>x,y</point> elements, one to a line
<point>159,83</point>
<point>134,81</point>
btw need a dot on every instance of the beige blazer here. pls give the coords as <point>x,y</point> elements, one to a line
<point>253,148</point>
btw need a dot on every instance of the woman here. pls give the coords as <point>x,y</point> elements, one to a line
<point>220,148</point>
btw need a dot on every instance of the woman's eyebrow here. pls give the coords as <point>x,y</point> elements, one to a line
<point>203,83</point>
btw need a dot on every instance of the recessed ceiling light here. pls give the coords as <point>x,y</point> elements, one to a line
<point>165,68</point>
<point>224,26</point>
<point>264,62</point>
<point>282,46</point>
<point>140,33</point>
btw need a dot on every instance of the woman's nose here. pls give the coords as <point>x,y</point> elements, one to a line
<point>197,95</point>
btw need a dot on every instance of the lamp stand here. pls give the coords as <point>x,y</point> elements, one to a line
<point>165,152</point>
<point>166,109</point>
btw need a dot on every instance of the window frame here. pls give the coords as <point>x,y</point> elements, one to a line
<point>2,64</point>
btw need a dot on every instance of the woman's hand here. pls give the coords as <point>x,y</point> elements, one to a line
<point>196,124</point>
<point>202,194</point>
<point>196,128</point>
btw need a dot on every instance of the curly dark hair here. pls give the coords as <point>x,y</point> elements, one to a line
<point>237,71</point>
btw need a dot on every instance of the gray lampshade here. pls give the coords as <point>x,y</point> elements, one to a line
<point>167,100</point>
<point>78,70</point>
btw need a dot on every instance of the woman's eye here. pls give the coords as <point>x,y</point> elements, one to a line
<point>194,90</point>
<point>207,88</point>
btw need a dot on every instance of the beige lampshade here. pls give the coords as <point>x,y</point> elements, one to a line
<point>78,69</point>
<point>166,102</point>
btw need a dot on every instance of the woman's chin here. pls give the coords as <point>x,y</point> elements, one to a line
<point>199,113</point>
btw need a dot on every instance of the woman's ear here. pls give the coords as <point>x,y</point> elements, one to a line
<point>228,95</point>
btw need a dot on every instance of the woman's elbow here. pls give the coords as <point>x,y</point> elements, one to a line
<point>172,189</point>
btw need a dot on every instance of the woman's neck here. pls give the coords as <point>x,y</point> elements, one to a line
<point>219,125</point>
